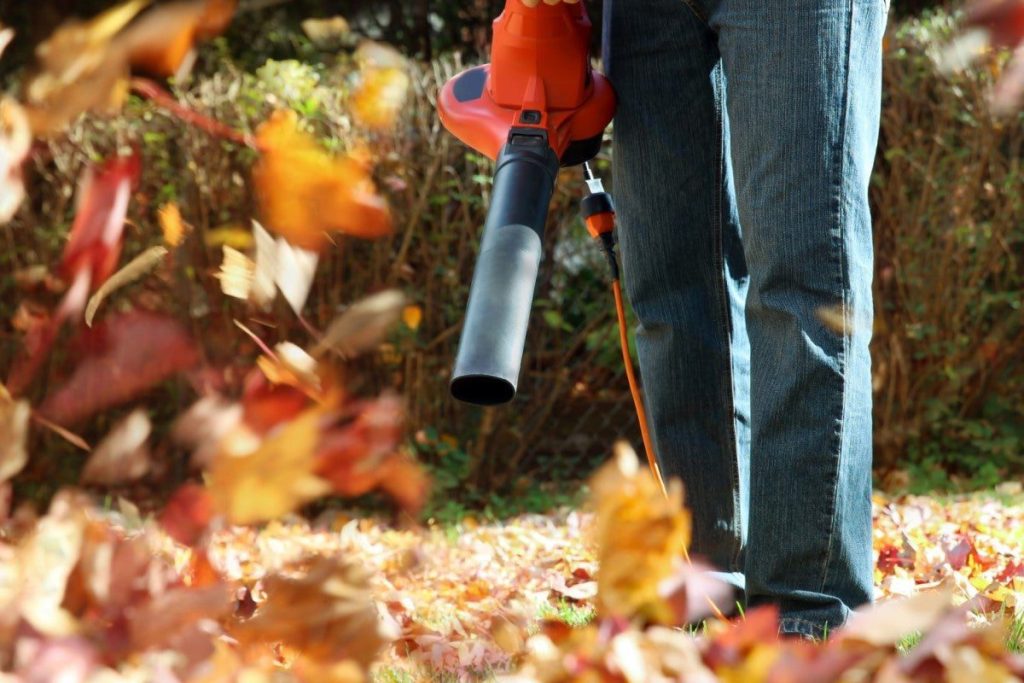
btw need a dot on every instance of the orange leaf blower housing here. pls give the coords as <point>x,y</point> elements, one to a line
<point>536,107</point>
<point>539,78</point>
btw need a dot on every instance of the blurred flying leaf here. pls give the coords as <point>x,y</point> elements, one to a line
<point>278,266</point>
<point>236,273</point>
<point>292,366</point>
<point>231,235</point>
<point>362,454</point>
<point>383,85</point>
<point>412,316</point>
<point>121,358</point>
<point>80,68</point>
<point>362,326</point>
<point>171,225</point>
<point>136,268</point>
<point>991,24</point>
<point>14,419</point>
<point>15,141</point>
<point>305,194</point>
<point>891,621</point>
<point>275,478</point>
<point>329,33</point>
<point>187,513</point>
<point>162,40</point>
<point>327,614</point>
<point>85,64</point>
<point>6,36</point>
<point>122,456</point>
<point>94,244</point>
<point>642,536</point>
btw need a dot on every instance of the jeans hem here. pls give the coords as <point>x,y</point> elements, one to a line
<point>804,627</point>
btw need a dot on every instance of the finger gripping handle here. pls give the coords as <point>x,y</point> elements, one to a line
<point>500,298</point>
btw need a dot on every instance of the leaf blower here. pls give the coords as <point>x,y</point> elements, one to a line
<point>536,107</point>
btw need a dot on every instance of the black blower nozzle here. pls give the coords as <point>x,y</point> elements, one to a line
<point>501,296</point>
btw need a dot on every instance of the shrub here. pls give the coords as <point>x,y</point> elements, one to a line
<point>949,237</point>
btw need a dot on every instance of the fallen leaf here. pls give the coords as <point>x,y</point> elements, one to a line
<point>412,316</point>
<point>162,40</point>
<point>122,357</point>
<point>136,268</point>
<point>122,456</point>
<point>327,614</point>
<point>305,194</point>
<point>887,623</point>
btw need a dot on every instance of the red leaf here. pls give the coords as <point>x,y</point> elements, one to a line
<point>1004,18</point>
<point>94,245</point>
<point>123,357</point>
<point>187,514</point>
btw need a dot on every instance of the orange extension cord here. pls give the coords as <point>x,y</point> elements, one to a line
<point>634,386</point>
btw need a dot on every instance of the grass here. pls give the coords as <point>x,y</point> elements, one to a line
<point>569,613</point>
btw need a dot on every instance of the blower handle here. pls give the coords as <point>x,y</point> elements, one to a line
<point>500,298</point>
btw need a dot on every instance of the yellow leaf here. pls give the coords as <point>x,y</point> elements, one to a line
<point>753,668</point>
<point>306,194</point>
<point>274,479</point>
<point>412,316</point>
<point>641,536</point>
<point>231,235</point>
<point>383,86</point>
<point>171,224</point>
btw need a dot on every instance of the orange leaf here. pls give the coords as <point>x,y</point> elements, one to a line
<point>273,479</point>
<point>187,514</point>
<point>382,88</point>
<point>161,42</point>
<point>305,194</point>
<point>171,224</point>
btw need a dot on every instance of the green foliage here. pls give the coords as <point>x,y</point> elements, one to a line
<point>574,614</point>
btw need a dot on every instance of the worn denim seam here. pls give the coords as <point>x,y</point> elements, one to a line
<point>843,277</point>
<point>726,322</point>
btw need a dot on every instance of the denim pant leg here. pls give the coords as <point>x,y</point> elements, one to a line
<point>683,263</point>
<point>803,102</point>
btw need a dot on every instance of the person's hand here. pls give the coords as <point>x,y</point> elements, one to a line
<point>533,3</point>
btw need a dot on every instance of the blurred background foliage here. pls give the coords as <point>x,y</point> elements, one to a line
<point>949,232</point>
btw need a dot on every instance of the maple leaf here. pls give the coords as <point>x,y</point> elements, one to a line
<point>272,479</point>
<point>304,194</point>
<point>163,39</point>
<point>327,614</point>
<point>641,536</point>
<point>121,358</point>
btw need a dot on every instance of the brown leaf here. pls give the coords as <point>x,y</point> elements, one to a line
<point>887,623</point>
<point>85,65</point>
<point>305,195</point>
<point>362,326</point>
<point>136,268</point>
<point>123,357</point>
<point>161,619</point>
<point>80,68</point>
<point>327,614</point>
<point>329,33</point>
<point>122,456</point>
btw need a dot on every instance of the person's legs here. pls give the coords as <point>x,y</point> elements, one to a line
<point>803,101</point>
<point>683,263</point>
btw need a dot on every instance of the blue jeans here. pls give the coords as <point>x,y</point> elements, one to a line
<point>743,147</point>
